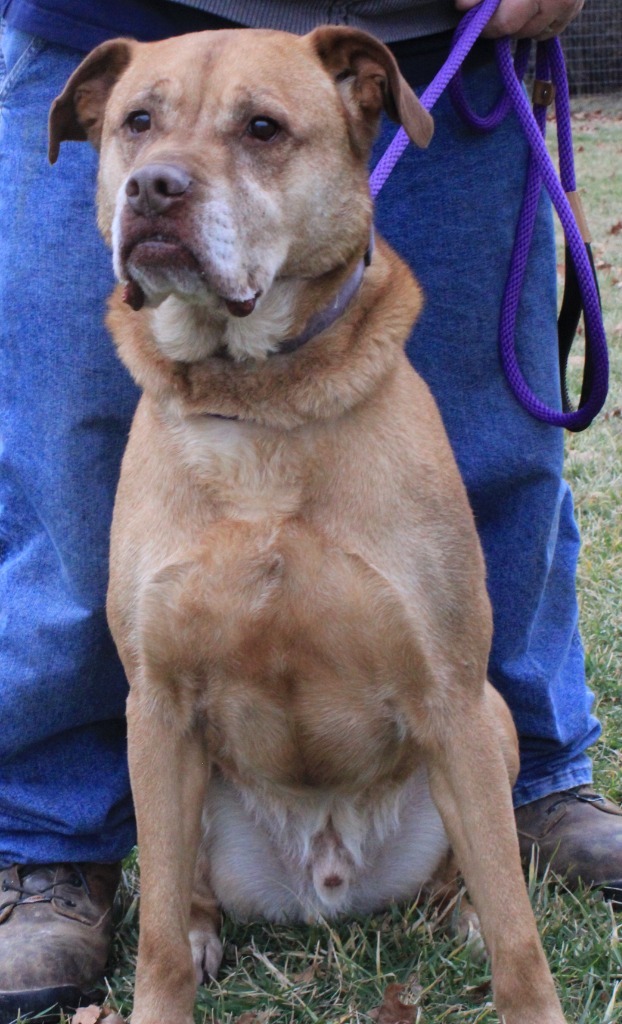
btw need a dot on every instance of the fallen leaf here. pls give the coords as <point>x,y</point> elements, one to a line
<point>615,229</point>
<point>399,1004</point>
<point>88,1015</point>
<point>94,1014</point>
<point>254,1017</point>
<point>309,974</point>
<point>484,989</point>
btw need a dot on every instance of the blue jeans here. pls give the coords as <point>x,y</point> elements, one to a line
<point>66,404</point>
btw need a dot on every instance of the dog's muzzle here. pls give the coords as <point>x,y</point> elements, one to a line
<point>154,226</point>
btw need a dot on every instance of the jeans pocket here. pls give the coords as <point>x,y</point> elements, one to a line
<point>17,51</point>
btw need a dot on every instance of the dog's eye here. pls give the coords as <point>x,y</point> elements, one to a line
<point>263,128</point>
<point>138,121</point>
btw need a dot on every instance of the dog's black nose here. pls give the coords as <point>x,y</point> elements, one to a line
<point>155,187</point>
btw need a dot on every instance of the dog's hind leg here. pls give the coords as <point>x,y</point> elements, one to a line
<point>456,915</point>
<point>470,785</point>
<point>205,921</point>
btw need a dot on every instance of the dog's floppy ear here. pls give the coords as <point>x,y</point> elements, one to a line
<point>77,114</point>
<point>369,79</point>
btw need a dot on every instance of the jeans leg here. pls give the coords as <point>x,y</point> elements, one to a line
<point>65,408</point>
<point>451,211</point>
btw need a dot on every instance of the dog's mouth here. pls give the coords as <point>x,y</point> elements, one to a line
<point>158,251</point>
<point>163,255</point>
<point>145,256</point>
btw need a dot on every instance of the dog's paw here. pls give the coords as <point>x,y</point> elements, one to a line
<point>206,955</point>
<point>469,931</point>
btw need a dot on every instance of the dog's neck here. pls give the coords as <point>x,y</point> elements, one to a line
<point>331,312</point>
<point>191,332</point>
<point>318,381</point>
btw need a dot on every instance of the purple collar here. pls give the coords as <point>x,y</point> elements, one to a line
<point>326,317</point>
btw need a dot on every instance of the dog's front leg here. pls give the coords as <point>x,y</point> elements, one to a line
<point>470,786</point>
<point>169,775</point>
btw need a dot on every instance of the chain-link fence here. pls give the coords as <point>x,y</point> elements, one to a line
<point>593,48</point>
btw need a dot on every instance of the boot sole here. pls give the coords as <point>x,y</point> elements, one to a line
<point>47,1003</point>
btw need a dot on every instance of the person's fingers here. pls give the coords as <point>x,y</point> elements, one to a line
<point>535,19</point>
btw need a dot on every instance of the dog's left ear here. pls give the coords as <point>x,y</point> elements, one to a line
<point>367,75</point>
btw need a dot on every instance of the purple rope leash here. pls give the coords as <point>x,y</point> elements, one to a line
<point>467,34</point>
<point>550,64</point>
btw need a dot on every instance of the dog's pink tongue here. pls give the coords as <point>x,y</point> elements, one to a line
<point>241,308</point>
<point>134,295</point>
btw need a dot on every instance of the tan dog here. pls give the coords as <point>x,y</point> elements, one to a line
<point>297,590</point>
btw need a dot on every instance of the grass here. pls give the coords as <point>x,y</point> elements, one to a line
<point>338,975</point>
<point>594,459</point>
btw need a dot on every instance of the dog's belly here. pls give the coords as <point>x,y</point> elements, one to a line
<point>287,856</point>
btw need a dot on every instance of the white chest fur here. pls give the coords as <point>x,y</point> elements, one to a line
<point>246,467</point>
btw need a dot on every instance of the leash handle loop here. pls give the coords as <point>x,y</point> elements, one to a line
<point>541,170</point>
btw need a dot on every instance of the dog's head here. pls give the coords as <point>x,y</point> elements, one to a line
<point>229,159</point>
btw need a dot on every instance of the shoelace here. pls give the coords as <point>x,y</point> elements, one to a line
<point>575,794</point>
<point>39,894</point>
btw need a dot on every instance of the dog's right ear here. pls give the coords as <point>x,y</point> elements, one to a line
<point>77,115</point>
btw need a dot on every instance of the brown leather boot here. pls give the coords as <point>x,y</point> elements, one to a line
<point>55,931</point>
<point>579,833</point>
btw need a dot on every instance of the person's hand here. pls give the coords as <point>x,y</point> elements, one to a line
<point>528,19</point>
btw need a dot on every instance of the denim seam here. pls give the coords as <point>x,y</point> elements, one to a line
<point>34,48</point>
<point>3,70</point>
<point>558,782</point>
